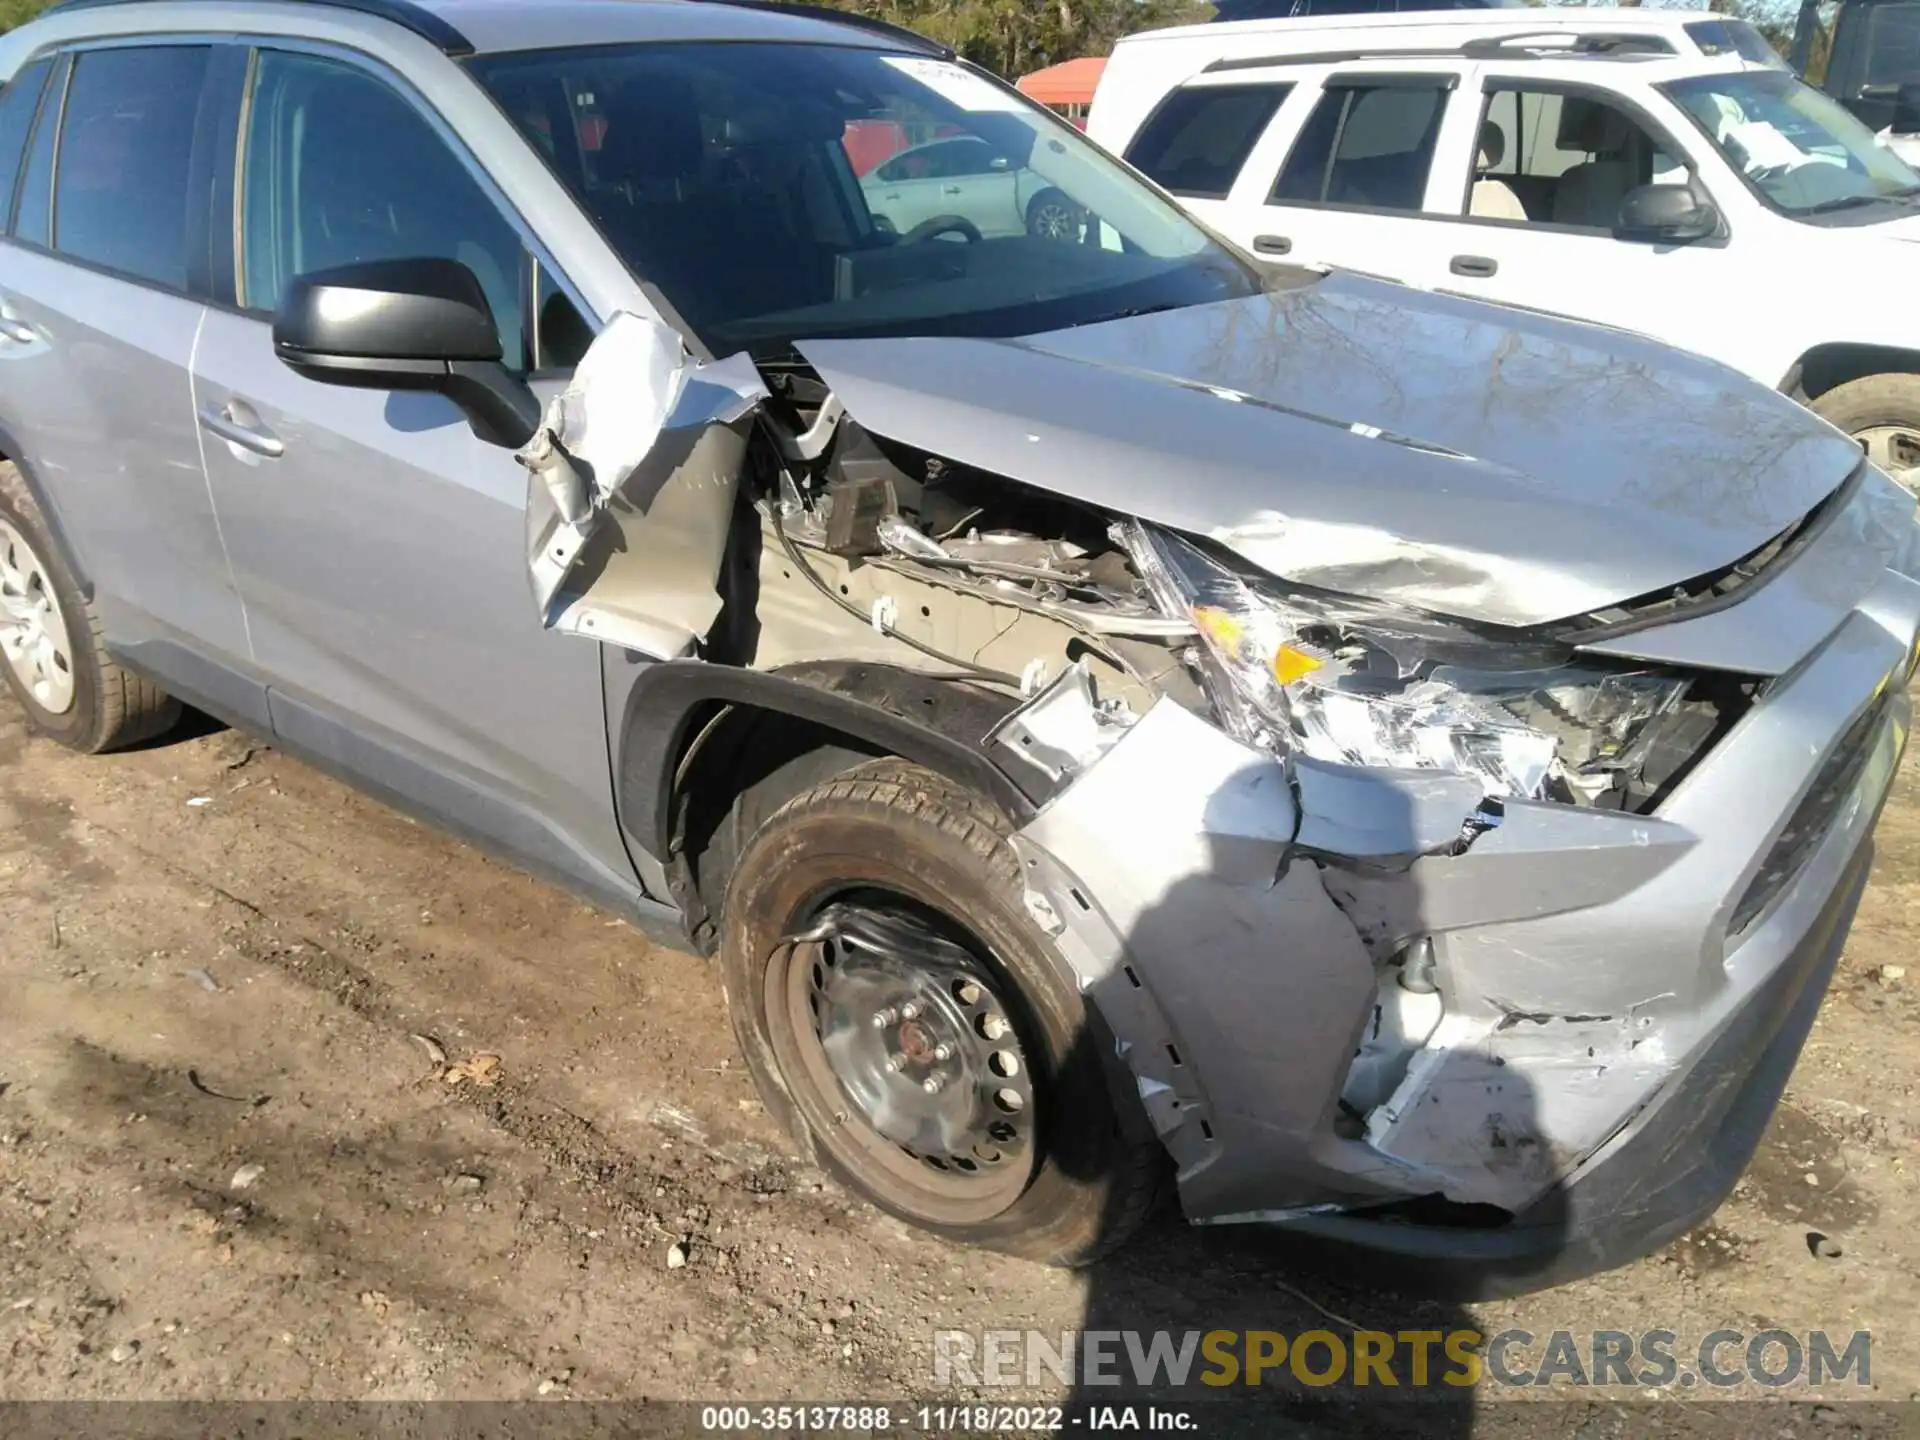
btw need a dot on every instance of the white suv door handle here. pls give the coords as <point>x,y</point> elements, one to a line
<point>17,331</point>
<point>236,423</point>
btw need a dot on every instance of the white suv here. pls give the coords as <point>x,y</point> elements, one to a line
<point>1660,172</point>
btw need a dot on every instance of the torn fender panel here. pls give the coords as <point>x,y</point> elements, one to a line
<point>631,481</point>
<point>1237,992</point>
<point>1518,468</point>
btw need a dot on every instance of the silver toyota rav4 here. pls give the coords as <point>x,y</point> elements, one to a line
<point>1402,768</point>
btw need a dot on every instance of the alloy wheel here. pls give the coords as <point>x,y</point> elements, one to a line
<point>1895,449</point>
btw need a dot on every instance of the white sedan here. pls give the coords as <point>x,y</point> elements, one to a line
<point>964,179</point>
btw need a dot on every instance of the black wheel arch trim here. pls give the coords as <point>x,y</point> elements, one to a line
<point>929,720</point>
<point>49,513</point>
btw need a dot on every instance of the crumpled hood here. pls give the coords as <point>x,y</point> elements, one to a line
<point>1349,433</point>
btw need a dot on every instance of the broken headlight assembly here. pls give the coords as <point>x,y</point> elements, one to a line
<point>1357,683</point>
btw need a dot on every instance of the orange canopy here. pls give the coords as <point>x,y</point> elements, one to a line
<point>1071,83</point>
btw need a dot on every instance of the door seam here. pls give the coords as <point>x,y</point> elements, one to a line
<point>206,479</point>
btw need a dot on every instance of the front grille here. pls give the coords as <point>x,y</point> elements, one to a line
<point>1808,824</point>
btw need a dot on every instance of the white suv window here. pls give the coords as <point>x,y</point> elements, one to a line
<point>1548,157</point>
<point>1369,143</point>
<point>1200,136</point>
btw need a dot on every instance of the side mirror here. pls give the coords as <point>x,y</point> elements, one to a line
<point>1666,212</point>
<point>406,325</point>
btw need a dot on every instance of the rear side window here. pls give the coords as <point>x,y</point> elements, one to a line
<point>33,214</point>
<point>17,105</point>
<point>1198,139</point>
<point>126,142</point>
<point>1366,145</point>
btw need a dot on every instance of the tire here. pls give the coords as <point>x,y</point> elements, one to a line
<point>1088,1172</point>
<point>1052,216</point>
<point>85,701</point>
<point>1882,412</point>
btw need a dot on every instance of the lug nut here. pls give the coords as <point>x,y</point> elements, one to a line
<point>909,1011</point>
<point>896,1063</point>
<point>886,1017</point>
<point>931,1085</point>
<point>943,1052</point>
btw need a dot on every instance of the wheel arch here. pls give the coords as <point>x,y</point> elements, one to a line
<point>1825,366</point>
<point>683,756</point>
<point>12,453</point>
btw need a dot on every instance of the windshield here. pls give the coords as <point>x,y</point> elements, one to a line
<point>1800,150</point>
<point>776,192</point>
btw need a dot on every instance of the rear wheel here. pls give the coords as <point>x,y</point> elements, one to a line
<point>50,645</point>
<point>905,1019</point>
<point>1882,412</point>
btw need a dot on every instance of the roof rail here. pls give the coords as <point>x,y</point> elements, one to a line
<point>417,18</point>
<point>1499,47</point>
<point>844,17</point>
<point>1591,43</point>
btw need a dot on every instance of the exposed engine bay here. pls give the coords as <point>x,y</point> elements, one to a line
<point>1151,613</point>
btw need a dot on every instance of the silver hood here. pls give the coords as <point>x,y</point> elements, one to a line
<point>1478,461</point>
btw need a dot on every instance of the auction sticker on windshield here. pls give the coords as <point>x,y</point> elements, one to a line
<point>956,83</point>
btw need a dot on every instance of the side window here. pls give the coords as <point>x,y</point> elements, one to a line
<point>340,169</point>
<point>1199,137</point>
<point>1548,158</point>
<point>968,157</point>
<point>1366,145</point>
<point>126,141</point>
<point>18,103</point>
<point>33,212</point>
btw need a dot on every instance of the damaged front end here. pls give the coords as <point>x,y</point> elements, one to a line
<point>1394,911</point>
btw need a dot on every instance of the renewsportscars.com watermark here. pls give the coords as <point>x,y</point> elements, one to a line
<point>1383,1360</point>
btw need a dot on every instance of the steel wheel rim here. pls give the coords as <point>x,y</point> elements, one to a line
<point>33,632</point>
<point>1895,449</point>
<point>958,1153</point>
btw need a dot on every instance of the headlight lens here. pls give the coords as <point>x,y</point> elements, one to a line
<point>1362,684</point>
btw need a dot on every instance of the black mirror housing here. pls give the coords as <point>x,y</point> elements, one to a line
<point>1666,212</point>
<point>420,324</point>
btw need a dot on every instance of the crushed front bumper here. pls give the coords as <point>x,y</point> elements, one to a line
<point>1624,995</point>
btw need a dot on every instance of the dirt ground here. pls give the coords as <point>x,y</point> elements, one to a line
<point>228,1168</point>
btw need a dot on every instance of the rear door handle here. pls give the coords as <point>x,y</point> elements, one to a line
<point>1272,244</point>
<point>1476,265</point>
<point>236,423</point>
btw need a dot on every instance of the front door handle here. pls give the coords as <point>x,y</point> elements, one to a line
<point>950,190</point>
<point>236,423</point>
<point>1479,266</point>
<point>1272,244</point>
<point>17,331</point>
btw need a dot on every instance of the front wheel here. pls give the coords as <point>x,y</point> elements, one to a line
<point>1881,412</point>
<point>904,1018</point>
